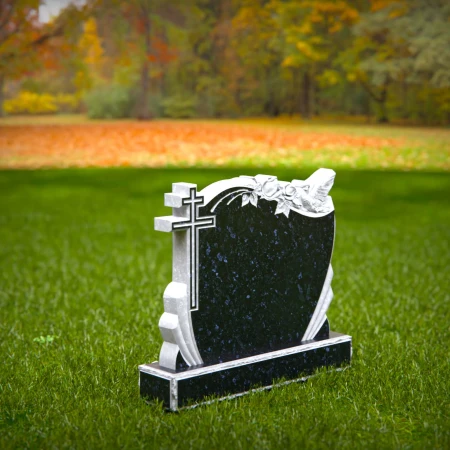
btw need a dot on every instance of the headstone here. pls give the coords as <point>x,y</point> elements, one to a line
<point>251,285</point>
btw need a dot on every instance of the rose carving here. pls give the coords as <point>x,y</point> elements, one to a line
<point>309,195</point>
<point>270,188</point>
<point>290,192</point>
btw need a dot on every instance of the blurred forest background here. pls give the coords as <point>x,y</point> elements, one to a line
<point>381,59</point>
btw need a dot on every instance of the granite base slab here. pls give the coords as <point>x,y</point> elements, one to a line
<point>180,389</point>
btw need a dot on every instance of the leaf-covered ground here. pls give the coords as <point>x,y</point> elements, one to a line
<point>50,143</point>
<point>82,275</point>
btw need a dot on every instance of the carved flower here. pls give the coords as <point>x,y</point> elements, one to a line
<point>297,201</point>
<point>250,197</point>
<point>282,207</point>
<point>290,192</point>
<point>258,189</point>
<point>270,188</point>
<point>305,201</point>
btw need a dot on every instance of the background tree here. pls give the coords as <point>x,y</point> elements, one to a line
<point>25,43</point>
<point>147,22</point>
<point>400,44</point>
<point>313,33</point>
<point>257,41</point>
<point>230,58</point>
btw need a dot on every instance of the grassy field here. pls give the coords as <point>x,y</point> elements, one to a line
<point>74,141</point>
<point>81,266</point>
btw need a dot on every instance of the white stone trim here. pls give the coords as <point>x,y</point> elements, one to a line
<point>319,316</point>
<point>166,223</point>
<point>246,182</point>
<point>190,373</point>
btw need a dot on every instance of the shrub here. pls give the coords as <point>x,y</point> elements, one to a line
<point>109,102</point>
<point>28,102</point>
<point>67,103</point>
<point>155,105</point>
<point>179,107</point>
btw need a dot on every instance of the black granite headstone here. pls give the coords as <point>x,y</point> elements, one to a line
<point>250,291</point>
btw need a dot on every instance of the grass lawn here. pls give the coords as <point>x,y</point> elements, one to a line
<point>80,263</point>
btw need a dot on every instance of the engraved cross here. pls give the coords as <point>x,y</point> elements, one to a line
<point>186,203</point>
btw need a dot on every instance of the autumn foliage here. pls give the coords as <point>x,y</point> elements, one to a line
<point>158,144</point>
<point>383,59</point>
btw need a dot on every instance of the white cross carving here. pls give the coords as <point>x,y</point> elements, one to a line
<point>186,204</point>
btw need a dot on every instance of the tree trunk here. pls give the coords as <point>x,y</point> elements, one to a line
<point>144,107</point>
<point>144,112</point>
<point>293,97</point>
<point>368,111</point>
<point>380,99</point>
<point>306,97</point>
<point>405,105</point>
<point>383,112</point>
<point>271,107</point>
<point>2,94</point>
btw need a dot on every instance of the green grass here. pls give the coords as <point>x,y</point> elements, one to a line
<point>81,266</point>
